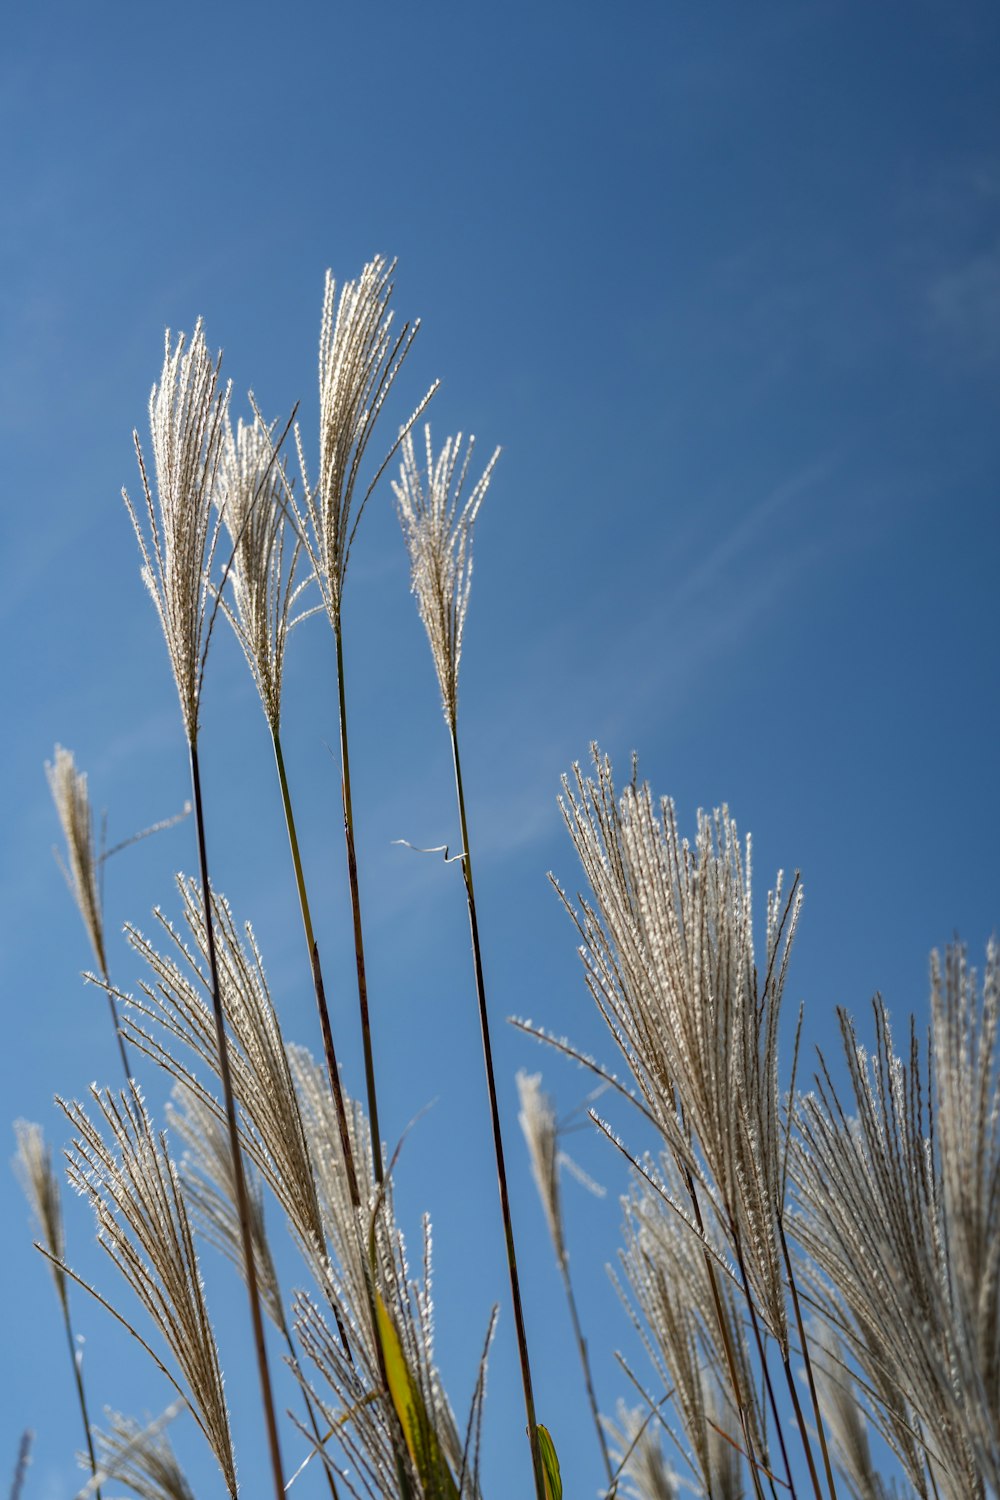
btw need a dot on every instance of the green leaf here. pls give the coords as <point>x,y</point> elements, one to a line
<point>550,1464</point>
<point>422,1441</point>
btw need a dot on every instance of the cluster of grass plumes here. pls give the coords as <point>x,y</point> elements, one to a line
<point>776,1232</point>
<point>813,1275</point>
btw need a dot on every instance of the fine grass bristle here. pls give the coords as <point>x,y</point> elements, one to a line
<point>176,1008</point>
<point>252,493</point>
<point>133,1186</point>
<point>439,539</point>
<point>72,801</point>
<point>206,1172</point>
<point>187,425</point>
<point>899,1219</point>
<point>141,1456</point>
<point>33,1164</point>
<point>360,356</point>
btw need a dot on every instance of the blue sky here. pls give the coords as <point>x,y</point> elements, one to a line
<point>724,283</point>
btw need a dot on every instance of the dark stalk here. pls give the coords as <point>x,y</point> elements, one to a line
<point>80,1393</point>
<point>313,1423</point>
<point>758,1339</point>
<point>522,1342</point>
<point>23,1460</point>
<point>106,981</point>
<point>727,1343</point>
<point>102,964</point>
<point>581,1344</point>
<point>225,1078</point>
<point>359,945</point>
<point>366,1034</point>
<point>329,1051</point>
<point>820,1428</point>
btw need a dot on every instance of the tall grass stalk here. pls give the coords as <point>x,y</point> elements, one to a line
<point>359,941</point>
<point>360,355</point>
<point>491,1089</point>
<point>34,1164</point>
<point>438,522</point>
<point>807,1362</point>
<point>187,421</point>
<point>329,1049</point>
<point>254,500</point>
<point>21,1465</point>
<point>72,801</point>
<point>541,1132</point>
<point>242,1202</point>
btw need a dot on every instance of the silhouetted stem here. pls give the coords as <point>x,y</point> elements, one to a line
<point>309,1407</point>
<point>80,1393</point>
<point>515,1291</point>
<point>225,1078</point>
<point>23,1460</point>
<point>581,1344</point>
<point>727,1343</point>
<point>758,1339</point>
<point>114,1021</point>
<point>808,1363</point>
<point>332,1069</point>
<point>366,1035</point>
<point>359,946</point>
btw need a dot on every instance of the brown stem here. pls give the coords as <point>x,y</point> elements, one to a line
<point>727,1344</point>
<point>522,1341</point>
<point>581,1344</point>
<point>225,1078</point>
<point>329,1051</point>
<point>313,1423</point>
<point>820,1428</point>
<point>80,1393</point>
<point>118,1036</point>
<point>758,1339</point>
<point>359,945</point>
<point>23,1460</point>
<point>366,1035</point>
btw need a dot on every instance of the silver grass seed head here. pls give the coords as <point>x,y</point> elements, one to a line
<point>438,529</point>
<point>667,944</point>
<point>636,1449</point>
<point>142,1456</point>
<point>186,419</point>
<point>360,355</point>
<point>176,1008</point>
<point>208,1177</point>
<point>253,494</point>
<point>843,1412</point>
<point>125,1170</point>
<point>33,1164</point>
<point>887,1251</point>
<point>69,793</point>
<point>537,1119</point>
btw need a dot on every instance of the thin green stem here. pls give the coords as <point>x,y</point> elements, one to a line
<point>329,1051</point>
<point>359,945</point>
<point>522,1341</point>
<point>225,1078</point>
<point>80,1393</point>
<point>581,1344</point>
